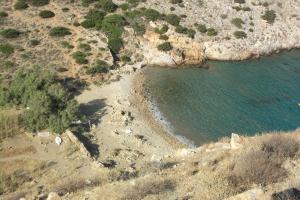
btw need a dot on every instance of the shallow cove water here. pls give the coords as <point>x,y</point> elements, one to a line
<point>244,97</point>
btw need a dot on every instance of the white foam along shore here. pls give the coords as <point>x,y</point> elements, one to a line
<point>146,104</point>
<point>163,121</point>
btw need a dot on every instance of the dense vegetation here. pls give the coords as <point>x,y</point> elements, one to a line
<point>47,104</point>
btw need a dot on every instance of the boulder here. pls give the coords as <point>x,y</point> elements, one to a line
<point>53,196</point>
<point>290,194</point>
<point>254,194</point>
<point>236,141</point>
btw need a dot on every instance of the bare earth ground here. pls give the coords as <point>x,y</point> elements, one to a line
<point>132,157</point>
<point>133,161</point>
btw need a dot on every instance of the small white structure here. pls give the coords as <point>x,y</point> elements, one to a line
<point>58,140</point>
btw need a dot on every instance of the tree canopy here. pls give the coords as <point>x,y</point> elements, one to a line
<point>48,104</point>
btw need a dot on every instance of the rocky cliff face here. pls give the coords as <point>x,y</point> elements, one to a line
<point>262,37</point>
<point>185,51</point>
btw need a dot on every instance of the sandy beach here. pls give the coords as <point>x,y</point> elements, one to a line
<point>124,120</point>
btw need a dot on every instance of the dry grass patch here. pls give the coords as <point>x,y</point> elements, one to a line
<point>255,168</point>
<point>151,187</point>
<point>10,123</point>
<point>15,174</point>
<point>263,165</point>
<point>76,184</point>
<point>280,146</point>
<point>11,182</point>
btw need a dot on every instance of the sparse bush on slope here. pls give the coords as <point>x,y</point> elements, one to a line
<point>269,16</point>
<point>59,31</point>
<point>10,33</point>
<point>46,14</point>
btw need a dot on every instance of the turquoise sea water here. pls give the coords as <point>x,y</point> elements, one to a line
<point>245,97</point>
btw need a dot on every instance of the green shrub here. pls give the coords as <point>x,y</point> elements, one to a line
<point>151,14</point>
<point>240,34</point>
<point>191,33</point>
<point>49,104</point>
<point>100,67</point>
<point>85,47</point>
<point>237,8</point>
<point>202,28</point>
<point>3,14</point>
<point>86,3</point>
<point>212,32</point>
<point>162,30</point>
<point>10,33</point>
<point>6,49</point>
<point>139,29</point>
<point>95,15</point>
<point>60,31</point>
<point>46,14</point>
<point>175,1</point>
<point>238,22</point>
<point>38,2</point>
<point>181,29</point>
<point>269,16</point>
<point>163,37</point>
<point>65,9</point>
<point>113,21</point>
<point>107,5</point>
<point>173,19</point>
<point>20,5</point>
<point>80,58</point>
<point>239,1</point>
<point>246,9</point>
<point>166,46</point>
<point>4,96</point>
<point>88,24</point>
<point>112,26</point>
<point>133,14</point>
<point>124,6</point>
<point>115,44</point>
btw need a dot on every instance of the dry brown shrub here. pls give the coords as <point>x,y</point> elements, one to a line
<point>75,185</point>
<point>255,167</point>
<point>11,182</point>
<point>145,188</point>
<point>280,146</point>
